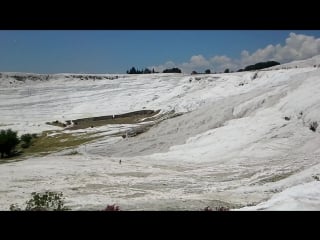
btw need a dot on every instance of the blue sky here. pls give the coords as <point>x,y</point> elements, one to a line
<point>105,51</point>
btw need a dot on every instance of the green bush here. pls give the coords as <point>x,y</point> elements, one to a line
<point>26,139</point>
<point>14,207</point>
<point>47,201</point>
<point>313,126</point>
<point>112,208</point>
<point>8,142</point>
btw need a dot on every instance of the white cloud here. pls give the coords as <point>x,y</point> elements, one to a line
<point>196,62</point>
<point>199,60</point>
<point>220,63</point>
<point>297,47</point>
<point>220,59</point>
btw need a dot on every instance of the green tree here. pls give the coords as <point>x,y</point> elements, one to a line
<point>172,70</point>
<point>261,65</point>
<point>207,71</point>
<point>132,71</point>
<point>147,71</point>
<point>8,142</point>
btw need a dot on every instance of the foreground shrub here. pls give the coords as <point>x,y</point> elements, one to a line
<point>220,208</point>
<point>14,207</point>
<point>47,201</point>
<point>112,208</point>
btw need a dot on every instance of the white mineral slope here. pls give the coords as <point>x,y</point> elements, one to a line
<point>243,141</point>
<point>303,193</point>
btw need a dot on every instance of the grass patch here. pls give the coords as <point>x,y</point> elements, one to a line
<point>45,144</point>
<point>88,123</point>
<point>129,118</point>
